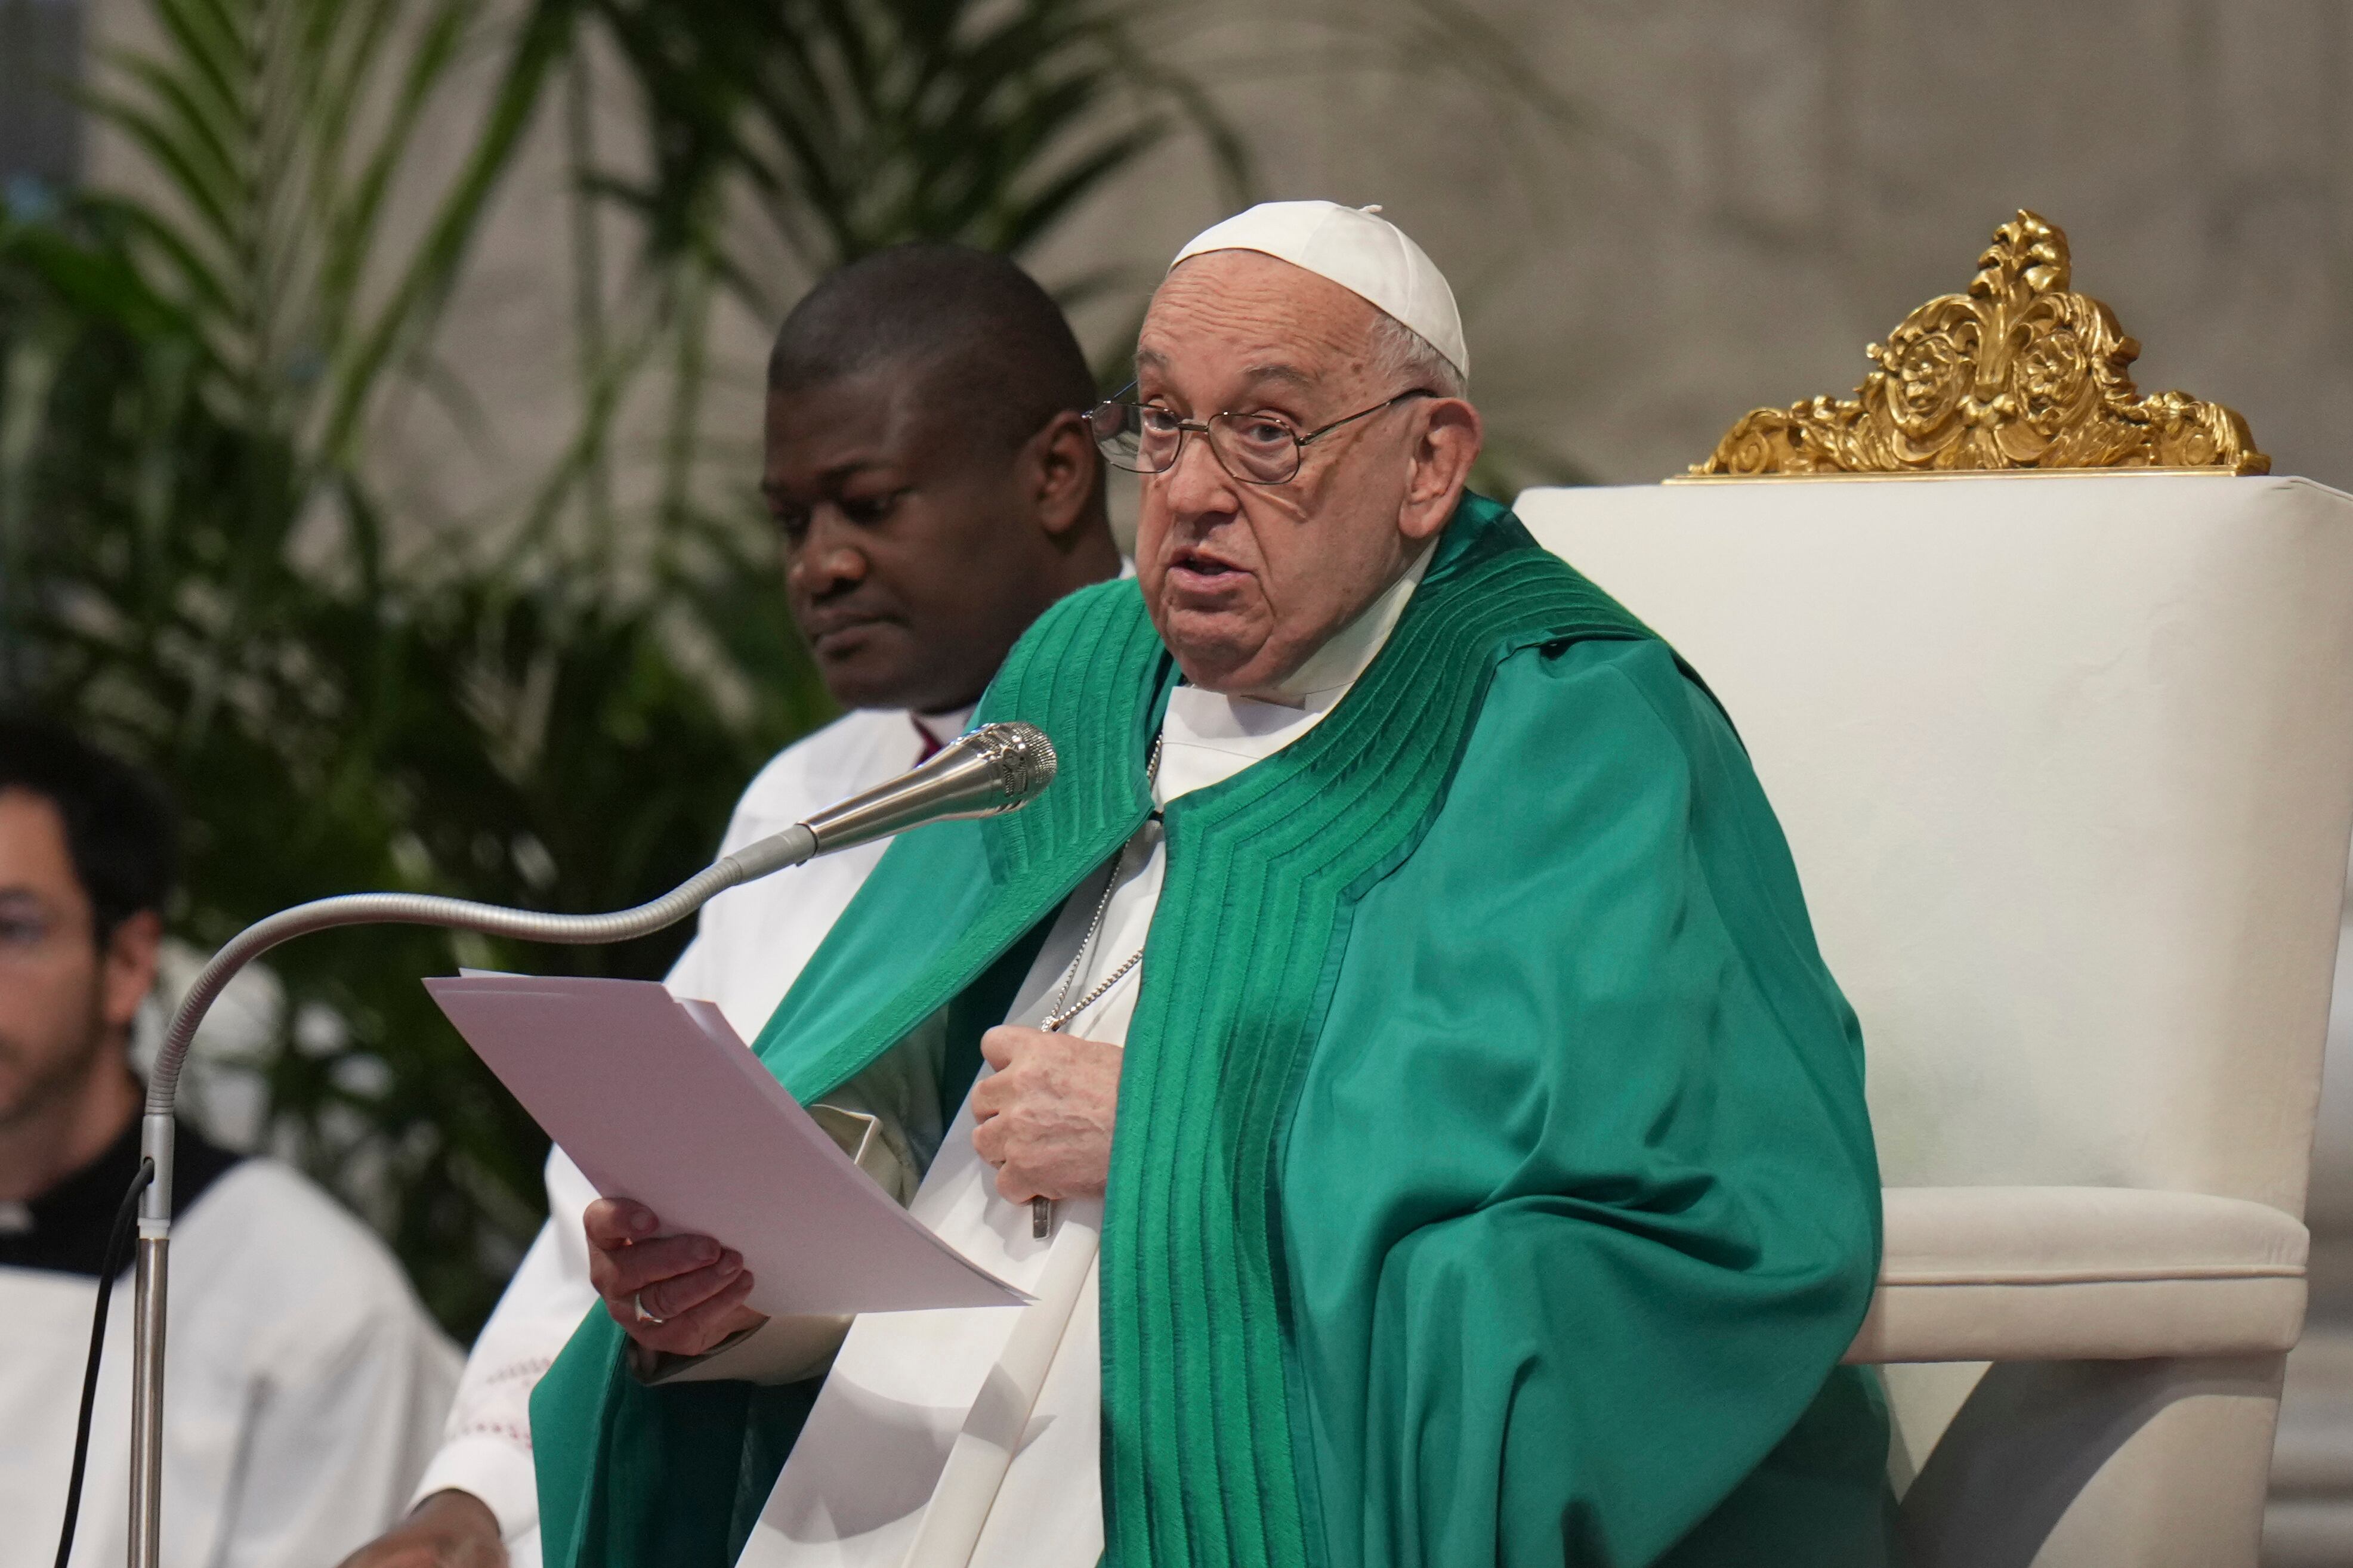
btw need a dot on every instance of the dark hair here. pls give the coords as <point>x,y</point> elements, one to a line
<point>975,325</point>
<point>120,831</point>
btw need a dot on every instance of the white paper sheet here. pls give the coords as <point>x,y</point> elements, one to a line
<point>657,1100</point>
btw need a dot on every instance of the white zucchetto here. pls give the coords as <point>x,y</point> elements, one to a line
<point>1359,250</point>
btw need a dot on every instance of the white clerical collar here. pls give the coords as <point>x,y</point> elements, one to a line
<point>1348,652</point>
<point>1207,737</point>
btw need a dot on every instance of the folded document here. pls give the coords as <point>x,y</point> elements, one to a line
<point>656,1099</point>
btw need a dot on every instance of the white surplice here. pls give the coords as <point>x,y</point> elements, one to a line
<point>970,1439</point>
<point>301,1396</point>
<point>748,948</point>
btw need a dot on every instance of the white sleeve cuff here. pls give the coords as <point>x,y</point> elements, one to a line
<point>492,1469</point>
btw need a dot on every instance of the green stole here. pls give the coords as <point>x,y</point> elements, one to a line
<point>1198,1394</point>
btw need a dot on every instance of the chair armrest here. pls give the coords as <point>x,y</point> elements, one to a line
<point>2082,1274</point>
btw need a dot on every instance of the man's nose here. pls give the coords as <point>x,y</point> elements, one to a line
<point>827,560</point>
<point>1198,483</point>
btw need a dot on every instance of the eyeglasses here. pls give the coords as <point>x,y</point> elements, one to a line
<point>1256,448</point>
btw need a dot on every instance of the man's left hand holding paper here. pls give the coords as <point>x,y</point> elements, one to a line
<point>672,1295</point>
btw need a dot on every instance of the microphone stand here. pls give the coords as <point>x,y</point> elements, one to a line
<point>151,1280</point>
<point>996,768</point>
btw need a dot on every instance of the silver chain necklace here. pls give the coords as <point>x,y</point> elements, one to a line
<point>1061,1016</point>
<point>1041,1210</point>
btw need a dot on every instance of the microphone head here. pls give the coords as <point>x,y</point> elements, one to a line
<point>1021,755</point>
<point>996,769</point>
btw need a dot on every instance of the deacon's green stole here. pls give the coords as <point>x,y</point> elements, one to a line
<point>1199,1397</point>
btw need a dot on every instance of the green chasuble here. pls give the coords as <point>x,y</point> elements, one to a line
<point>1493,1183</point>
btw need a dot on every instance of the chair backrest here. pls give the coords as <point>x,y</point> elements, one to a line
<point>2066,763</point>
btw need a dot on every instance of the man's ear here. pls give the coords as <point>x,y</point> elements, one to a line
<point>1446,446</point>
<point>1062,467</point>
<point>126,968</point>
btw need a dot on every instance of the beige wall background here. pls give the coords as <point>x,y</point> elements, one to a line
<point>1753,190</point>
<point>1758,187</point>
<point>1685,209</point>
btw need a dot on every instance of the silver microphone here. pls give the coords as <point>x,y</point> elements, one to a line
<point>996,768</point>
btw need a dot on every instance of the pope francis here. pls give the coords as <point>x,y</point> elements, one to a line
<point>1393,1055</point>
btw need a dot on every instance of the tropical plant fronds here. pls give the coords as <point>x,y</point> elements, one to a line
<point>854,124</point>
<point>199,570</point>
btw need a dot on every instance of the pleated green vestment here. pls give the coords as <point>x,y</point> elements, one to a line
<point>1493,1183</point>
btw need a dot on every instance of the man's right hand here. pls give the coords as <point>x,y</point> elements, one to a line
<point>691,1283</point>
<point>447,1530</point>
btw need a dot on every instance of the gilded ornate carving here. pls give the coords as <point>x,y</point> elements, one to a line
<point>2019,372</point>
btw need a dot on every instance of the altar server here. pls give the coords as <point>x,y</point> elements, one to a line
<point>1456,1146</point>
<point>933,479</point>
<point>306,1385</point>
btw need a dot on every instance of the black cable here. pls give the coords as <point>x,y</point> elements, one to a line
<point>117,1256</point>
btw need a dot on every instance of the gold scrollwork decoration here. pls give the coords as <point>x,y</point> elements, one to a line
<point>2019,372</point>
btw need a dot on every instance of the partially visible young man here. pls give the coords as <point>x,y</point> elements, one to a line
<point>936,488</point>
<point>306,1385</point>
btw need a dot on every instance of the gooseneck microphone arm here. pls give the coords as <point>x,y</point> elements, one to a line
<point>996,768</point>
<point>789,848</point>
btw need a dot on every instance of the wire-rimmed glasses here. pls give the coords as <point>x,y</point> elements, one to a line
<point>1255,448</point>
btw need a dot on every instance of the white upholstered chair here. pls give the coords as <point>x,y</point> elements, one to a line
<point>2066,761</point>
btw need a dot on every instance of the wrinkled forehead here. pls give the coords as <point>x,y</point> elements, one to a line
<point>1229,318</point>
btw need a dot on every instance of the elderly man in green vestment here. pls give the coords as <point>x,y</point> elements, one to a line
<point>1393,1054</point>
